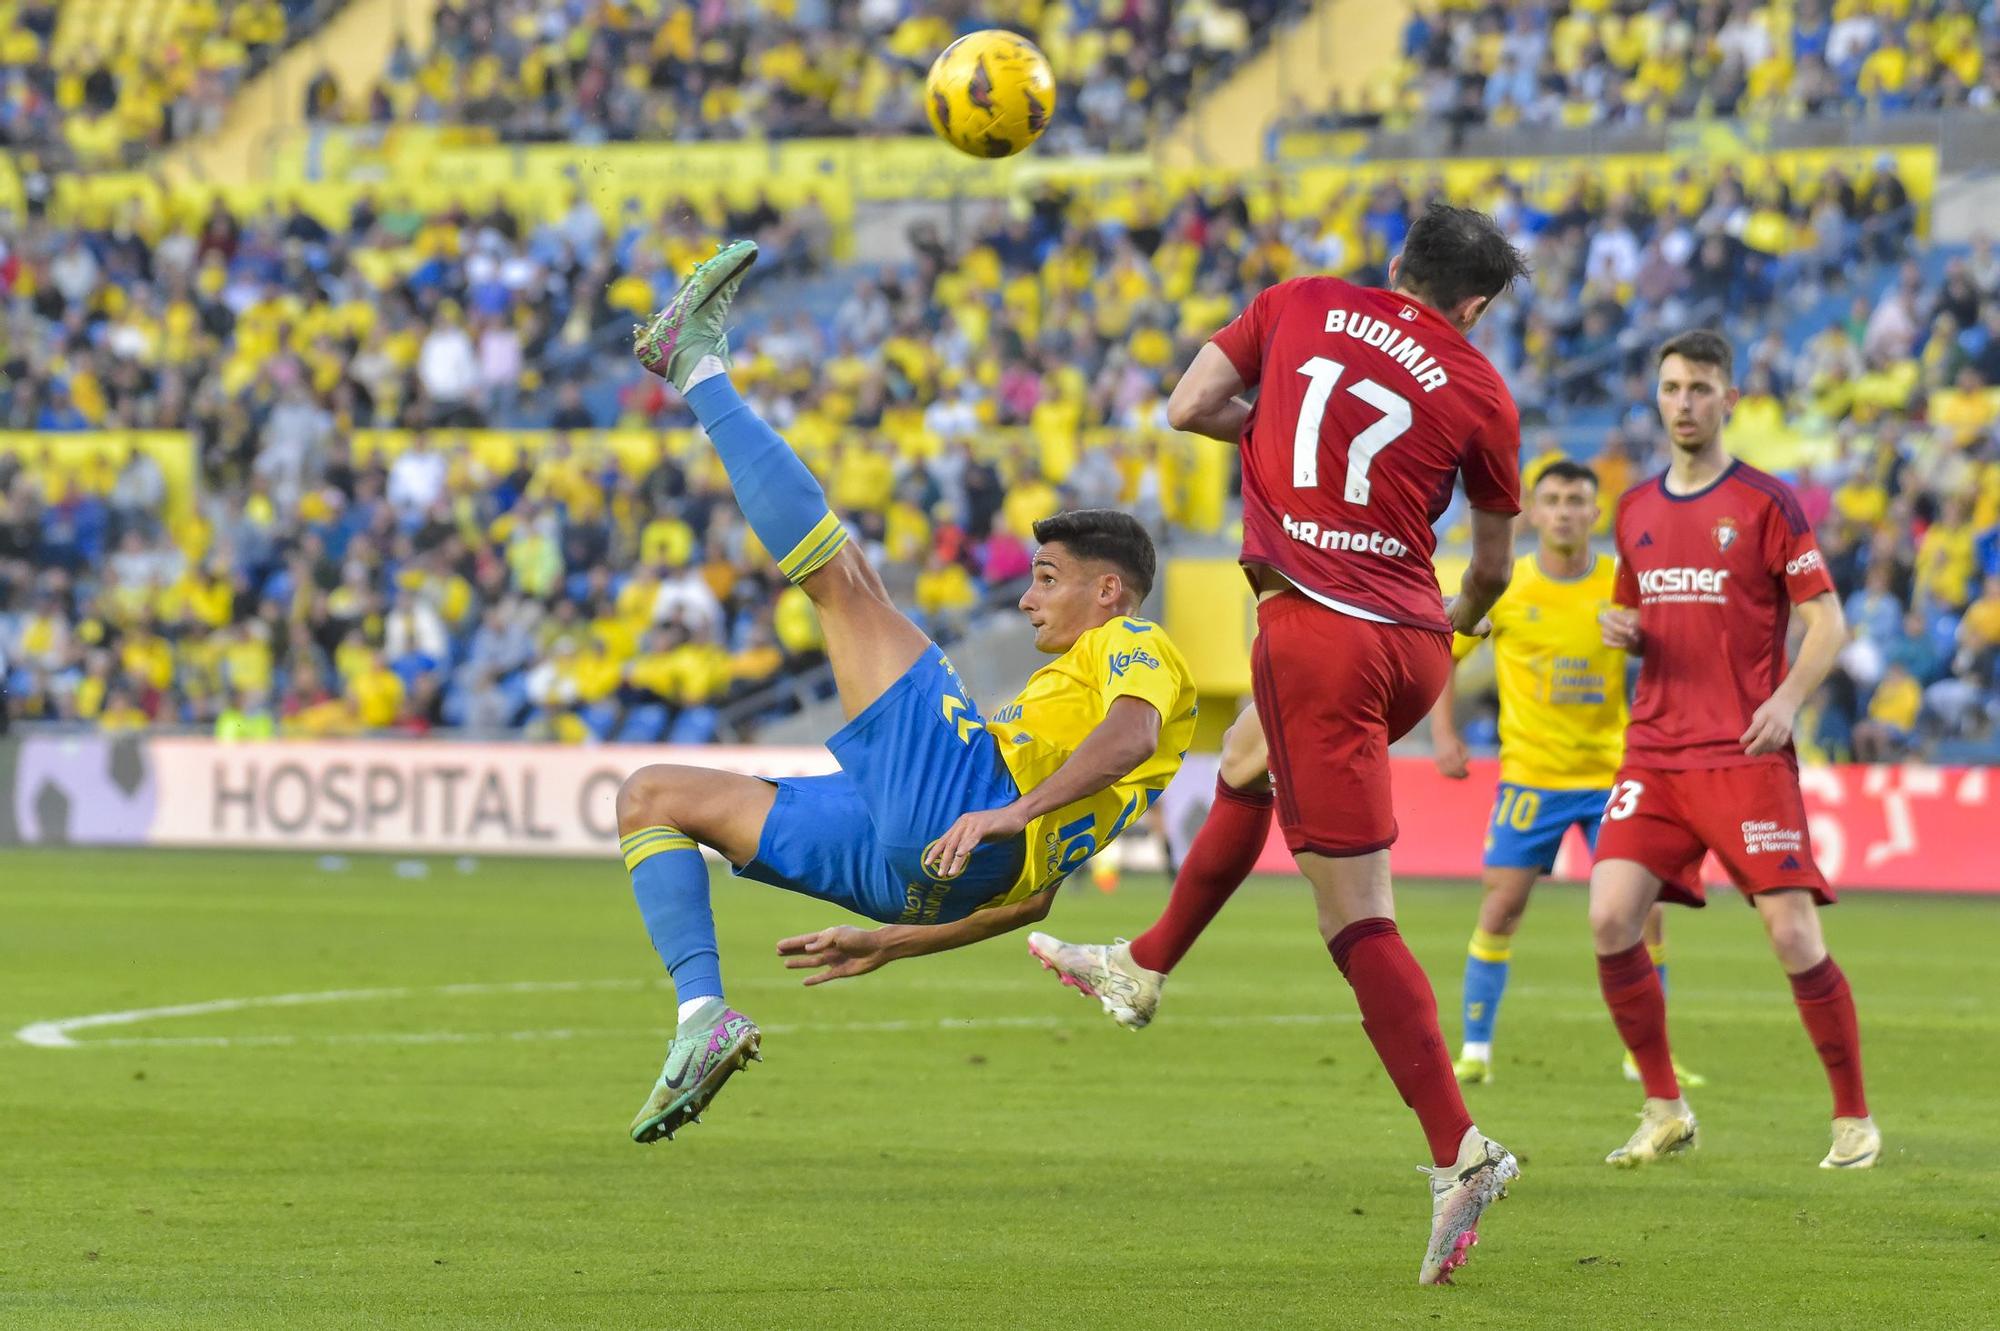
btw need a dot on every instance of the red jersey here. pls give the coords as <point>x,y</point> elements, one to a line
<point>1714,576</point>
<point>1368,404</point>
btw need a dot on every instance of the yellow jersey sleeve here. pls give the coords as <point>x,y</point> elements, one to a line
<point>1130,664</point>
<point>1061,705</point>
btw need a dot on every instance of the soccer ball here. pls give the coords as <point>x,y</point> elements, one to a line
<point>990,93</point>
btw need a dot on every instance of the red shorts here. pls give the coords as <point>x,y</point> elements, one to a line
<point>1753,817</point>
<point>1333,692</point>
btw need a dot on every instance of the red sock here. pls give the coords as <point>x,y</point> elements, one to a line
<point>1399,1013</point>
<point>1639,1005</point>
<point>1224,851</point>
<point>1826,1005</point>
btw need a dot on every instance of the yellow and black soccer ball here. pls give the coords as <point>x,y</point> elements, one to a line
<point>990,93</point>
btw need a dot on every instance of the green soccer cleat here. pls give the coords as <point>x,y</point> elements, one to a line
<point>709,1046</point>
<point>691,326</point>
<point>1473,1071</point>
<point>1857,1144</point>
<point>1686,1078</point>
<point>1666,1127</point>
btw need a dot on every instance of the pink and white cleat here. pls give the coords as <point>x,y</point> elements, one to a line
<point>1129,992</point>
<point>1460,1193</point>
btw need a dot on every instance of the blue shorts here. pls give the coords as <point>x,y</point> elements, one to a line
<point>911,763</point>
<point>1529,823</point>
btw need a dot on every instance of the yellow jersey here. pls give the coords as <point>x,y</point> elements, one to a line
<point>1060,705</point>
<point>1562,691</point>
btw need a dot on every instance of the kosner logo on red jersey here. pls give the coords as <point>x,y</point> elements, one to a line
<point>1683,583</point>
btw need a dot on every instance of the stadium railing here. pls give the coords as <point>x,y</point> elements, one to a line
<point>1961,138</point>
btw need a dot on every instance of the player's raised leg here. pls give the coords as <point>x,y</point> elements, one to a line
<point>870,644</point>
<point>1487,957</point>
<point>1127,978</point>
<point>1621,893</point>
<point>663,811</point>
<point>1826,1006</point>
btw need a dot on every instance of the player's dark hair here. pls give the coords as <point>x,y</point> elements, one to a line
<point>1108,536</point>
<point>1454,253</point>
<point>1703,346</point>
<point>1563,469</point>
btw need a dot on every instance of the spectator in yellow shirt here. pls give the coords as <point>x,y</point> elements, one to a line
<point>1979,629</point>
<point>121,714</point>
<point>1945,558</point>
<point>376,694</point>
<point>1966,410</point>
<point>1892,717</point>
<point>945,595</point>
<point>1029,500</point>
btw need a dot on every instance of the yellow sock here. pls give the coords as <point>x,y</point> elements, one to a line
<point>647,842</point>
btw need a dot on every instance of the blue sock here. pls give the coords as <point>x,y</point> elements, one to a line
<point>778,495</point>
<point>1485,984</point>
<point>671,883</point>
<point>1659,963</point>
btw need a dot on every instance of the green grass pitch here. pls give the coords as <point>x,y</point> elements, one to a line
<point>953,1142</point>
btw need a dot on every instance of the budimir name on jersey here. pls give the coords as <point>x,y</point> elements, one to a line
<point>1393,342</point>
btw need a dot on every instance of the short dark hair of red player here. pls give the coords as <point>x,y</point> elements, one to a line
<point>1107,536</point>
<point>1562,469</point>
<point>1454,253</point>
<point>1702,346</point>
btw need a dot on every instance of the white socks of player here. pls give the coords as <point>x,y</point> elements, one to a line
<point>706,368</point>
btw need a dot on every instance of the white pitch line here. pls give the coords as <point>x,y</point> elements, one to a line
<point>58,1034</point>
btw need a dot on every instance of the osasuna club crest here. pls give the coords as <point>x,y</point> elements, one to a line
<point>1725,533</point>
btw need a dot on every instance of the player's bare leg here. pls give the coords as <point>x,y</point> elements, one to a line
<point>1357,910</point>
<point>1791,919</point>
<point>1622,893</point>
<point>869,642</point>
<point>663,811</point>
<point>1127,977</point>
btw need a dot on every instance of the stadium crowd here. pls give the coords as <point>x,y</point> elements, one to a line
<point>323,567</point>
<point>109,83</point>
<point>1467,62</point>
<point>544,70</point>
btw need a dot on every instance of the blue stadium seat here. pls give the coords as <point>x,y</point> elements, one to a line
<point>645,725</point>
<point>601,718</point>
<point>696,725</point>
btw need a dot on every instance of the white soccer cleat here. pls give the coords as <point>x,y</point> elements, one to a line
<point>1129,992</point>
<point>1856,1144</point>
<point>1460,1193</point>
<point>1665,1128</point>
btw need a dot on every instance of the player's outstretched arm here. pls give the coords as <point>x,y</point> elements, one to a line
<point>1826,633</point>
<point>1126,737</point>
<point>1486,574</point>
<point>836,954</point>
<point>1448,749</point>
<point>1205,401</point>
